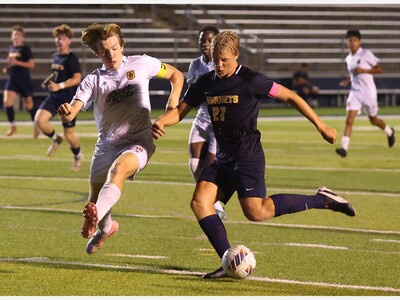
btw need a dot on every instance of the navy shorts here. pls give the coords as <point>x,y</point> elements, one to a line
<point>51,104</point>
<point>247,179</point>
<point>22,87</point>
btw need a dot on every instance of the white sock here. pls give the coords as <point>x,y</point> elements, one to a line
<point>106,223</point>
<point>345,142</point>
<point>108,196</point>
<point>194,168</point>
<point>388,130</point>
<point>218,206</point>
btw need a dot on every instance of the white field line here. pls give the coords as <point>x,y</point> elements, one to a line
<point>301,226</point>
<point>316,246</point>
<point>137,256</point>
<point>153,182</point>
<point>44,260</point>
<point>385,241</point>
<point>22,157</point>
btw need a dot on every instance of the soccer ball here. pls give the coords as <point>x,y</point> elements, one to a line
<point>238,262</point>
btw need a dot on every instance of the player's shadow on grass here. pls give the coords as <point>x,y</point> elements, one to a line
<point>83,196</point>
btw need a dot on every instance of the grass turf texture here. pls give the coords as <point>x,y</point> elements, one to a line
<point>161,250</point>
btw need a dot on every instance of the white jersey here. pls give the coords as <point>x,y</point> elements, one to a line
<point>121,101</point>
<point>197,67</point>
<point>362,83</point>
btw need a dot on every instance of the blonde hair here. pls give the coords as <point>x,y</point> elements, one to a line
<point>18,28</point>
<point>226,41</point>
<point>63,29</point>
<point>99,32</point>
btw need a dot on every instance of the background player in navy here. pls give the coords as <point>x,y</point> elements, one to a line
<point>20,62</point>
<point>202,142</point>
<point>232,93</point>
<point>62,87</point>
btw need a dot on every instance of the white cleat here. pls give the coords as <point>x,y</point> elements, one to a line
<point>336,203</point>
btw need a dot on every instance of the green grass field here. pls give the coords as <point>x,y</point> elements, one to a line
<point>161,250</point>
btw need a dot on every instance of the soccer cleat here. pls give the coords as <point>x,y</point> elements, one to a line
<point>336,203</point>
<point>77,163</point>
<point>54,145</point>
<point>219,273</point>
<point>342,152</point>
<point>89,220</point>
<point>221,214</point>
<point>11,131</point>
<point>98,239</point>
<point>391,139</point>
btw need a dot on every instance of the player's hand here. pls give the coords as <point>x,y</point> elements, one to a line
<point>157,130</point>
<point>329,134</point>
<point>53,87</point>
<point>64,111</point>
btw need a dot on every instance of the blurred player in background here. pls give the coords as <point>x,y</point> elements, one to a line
<point>20,62</point>
<point>119,92</point>
<point>233,94</point>
<point>202,143</point>
<point>361,65</point>
<point>301,84</point>
<point>62,84</point>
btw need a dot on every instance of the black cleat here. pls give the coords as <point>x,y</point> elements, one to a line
<point>341,152</point>
<point>336,203</point>
<point>219,273</point>
<point>391,139</point>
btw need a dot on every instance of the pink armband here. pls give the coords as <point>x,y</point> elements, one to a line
<point>274,90</point>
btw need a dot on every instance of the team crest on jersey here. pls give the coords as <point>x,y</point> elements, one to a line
<point>138,149</point>
<point>130,75</point>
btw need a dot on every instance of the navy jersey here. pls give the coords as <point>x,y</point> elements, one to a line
<point>64,67</point>
<point>22,53</point>
<point>233,104</point>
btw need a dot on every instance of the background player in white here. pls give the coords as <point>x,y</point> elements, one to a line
<point>361,64</point>
<point>119,91</point>
<point>202,143</point>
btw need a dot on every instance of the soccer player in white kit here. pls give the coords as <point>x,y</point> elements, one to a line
<point>119,92</point>
<point>361,65</point>
<point>202,142</point>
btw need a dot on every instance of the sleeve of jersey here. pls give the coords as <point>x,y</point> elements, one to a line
<point>262,85</point>
<point>75,65</point>
<point>85,91</point>
<point>372,59</point>
<point>153,65</point>
<point>194,94</point>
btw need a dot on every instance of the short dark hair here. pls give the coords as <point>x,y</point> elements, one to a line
<point>209,28</point>
<point>355,33</point>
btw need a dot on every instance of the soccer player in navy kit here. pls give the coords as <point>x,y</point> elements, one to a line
<point>232,93</point>
<point>62,87</point>
<point>20,62</point>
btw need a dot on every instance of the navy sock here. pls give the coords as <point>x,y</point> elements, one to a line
<point>216,233</point>
<point>292,203</point>
<point>32,112</point>
<point>76,151</point>
<point>51,134</point>
<point>10,113</point>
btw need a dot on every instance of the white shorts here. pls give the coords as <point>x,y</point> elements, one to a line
<point>105,154</point>
<point>199,134</point>
<point>359,101</point>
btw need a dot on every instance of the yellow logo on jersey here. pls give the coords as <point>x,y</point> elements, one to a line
<point>130,75</point>
<point>223,99</point>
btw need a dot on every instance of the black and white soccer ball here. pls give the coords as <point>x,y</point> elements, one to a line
<point>238,262</point>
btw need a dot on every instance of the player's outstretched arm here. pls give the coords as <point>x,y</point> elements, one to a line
<point>169,118</point>
<point>288,96</point>
<point>68,111</point>
<point>176,79</point>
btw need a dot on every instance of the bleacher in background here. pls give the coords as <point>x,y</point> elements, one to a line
<point>275,38</point>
